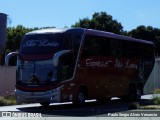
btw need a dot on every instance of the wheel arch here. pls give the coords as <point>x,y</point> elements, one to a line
<point>84,89</point>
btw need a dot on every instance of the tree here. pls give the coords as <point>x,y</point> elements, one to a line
<point>100,21</point>
<point>147,33</point>
<point>143,32</point>
<point>14,36</point>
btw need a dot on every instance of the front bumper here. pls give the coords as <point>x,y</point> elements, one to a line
<point>51,96</point>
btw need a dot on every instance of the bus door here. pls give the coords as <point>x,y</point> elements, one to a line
<point>65,74</point>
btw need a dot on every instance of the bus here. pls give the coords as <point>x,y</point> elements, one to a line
<point>78,64</point>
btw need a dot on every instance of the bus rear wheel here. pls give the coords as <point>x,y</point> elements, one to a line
<point>135,93</point>
<point>139,92</point>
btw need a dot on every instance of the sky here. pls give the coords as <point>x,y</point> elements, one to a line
<point>60,13</point>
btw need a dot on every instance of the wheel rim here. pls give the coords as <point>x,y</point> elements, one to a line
<point>138,94</point>
<point>81,98</point>
<point>135,94</point>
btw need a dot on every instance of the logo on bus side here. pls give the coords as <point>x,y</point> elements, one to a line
<point>101,64</point>
<point>40,43</point>
<point>105,64</point>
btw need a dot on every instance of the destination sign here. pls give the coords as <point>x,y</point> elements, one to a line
<point>40,43</point>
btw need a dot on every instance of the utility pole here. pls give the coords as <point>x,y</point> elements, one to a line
<point>3,36</point>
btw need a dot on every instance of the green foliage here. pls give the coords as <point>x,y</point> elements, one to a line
<point>156,100</point>
<point>147,33</point>
<point>7,100</point>
<point>157,91</point>
<point>14,36</point>
<point>100,21</point>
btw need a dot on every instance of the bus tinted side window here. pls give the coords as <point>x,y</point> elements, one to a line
<point>117,48</point>
<point>104,46</point>
<point>67,44</point>
<point>147,51</point>
<point>141,50</point>
<point>120,48</point>
<point>95,46</point>
<point>72,41</point>
<point>135,50</point>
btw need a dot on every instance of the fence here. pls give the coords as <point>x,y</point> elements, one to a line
<point>7,80</point>
<point>154,78</point>
<point>3,23</point>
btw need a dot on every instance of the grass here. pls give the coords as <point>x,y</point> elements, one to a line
<point>156,91</point>
<point>7,100</point>
<point>147,104</point>
<point>154,103</point>
<point>134,105</point>
<point>156,100</point>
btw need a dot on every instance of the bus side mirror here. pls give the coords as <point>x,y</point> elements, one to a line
<point>7,58</point>
<point>58,55</point>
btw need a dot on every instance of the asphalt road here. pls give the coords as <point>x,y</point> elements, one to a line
<point>67,110</point>
<point>90,109</point>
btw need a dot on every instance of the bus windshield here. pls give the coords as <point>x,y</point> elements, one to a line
<point>37,72</point>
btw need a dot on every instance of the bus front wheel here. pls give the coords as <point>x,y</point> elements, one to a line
<point>80,98</point>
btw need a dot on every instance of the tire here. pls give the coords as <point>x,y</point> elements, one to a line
<point>138,93</point>
<point>135,93</point>
<point>44,104</point>
<point>80,98</point>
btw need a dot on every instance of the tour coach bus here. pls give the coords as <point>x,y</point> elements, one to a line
<point>61,65</point>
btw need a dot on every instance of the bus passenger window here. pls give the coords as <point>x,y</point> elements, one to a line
<point>96,46</point>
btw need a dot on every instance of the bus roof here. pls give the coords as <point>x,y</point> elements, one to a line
<point>48,30</point>
<point>89,31</point>
<point>53,30</point>
<point>116,36</point>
